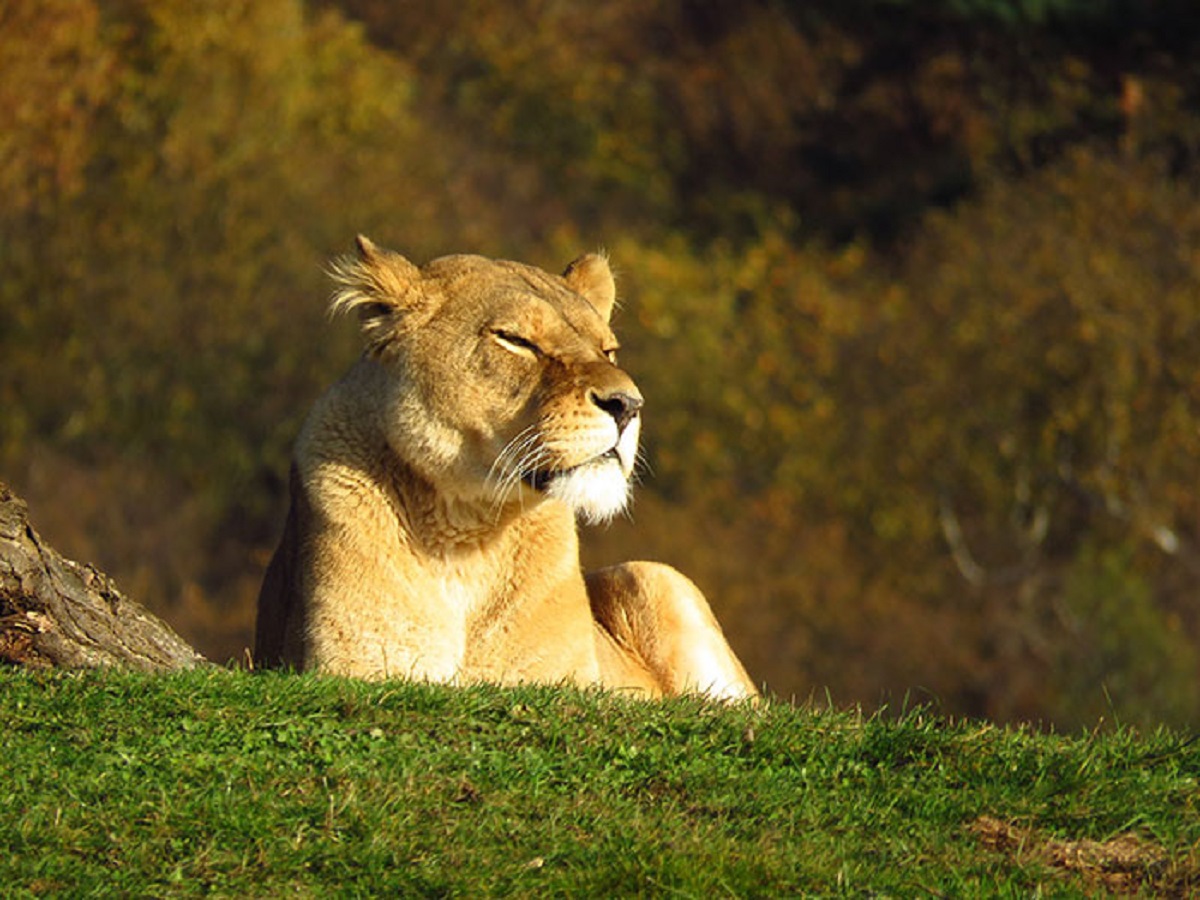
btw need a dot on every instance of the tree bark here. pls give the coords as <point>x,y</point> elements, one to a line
<point>55,612</point>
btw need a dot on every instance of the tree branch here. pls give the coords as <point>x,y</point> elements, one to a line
<point>55,612</point>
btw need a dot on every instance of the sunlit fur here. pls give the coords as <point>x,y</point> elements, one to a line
<point>435,489</point>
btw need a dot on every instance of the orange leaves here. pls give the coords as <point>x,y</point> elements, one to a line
<point>57,70</point>
<point>1017,362</point>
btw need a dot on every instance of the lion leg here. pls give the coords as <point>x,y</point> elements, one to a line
<point>655,632</point>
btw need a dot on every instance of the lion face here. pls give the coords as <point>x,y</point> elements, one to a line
<point>500,380</point>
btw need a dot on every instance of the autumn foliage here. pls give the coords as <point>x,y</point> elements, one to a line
<point>913,290</point>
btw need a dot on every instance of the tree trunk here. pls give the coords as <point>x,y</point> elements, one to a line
<point>54,612</point>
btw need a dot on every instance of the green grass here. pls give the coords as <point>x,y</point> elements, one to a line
<point>229,784</point>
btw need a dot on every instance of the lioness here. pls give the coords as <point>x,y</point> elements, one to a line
<point>434,491</point>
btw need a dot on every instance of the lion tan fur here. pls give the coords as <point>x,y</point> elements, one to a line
<point>435,488</point>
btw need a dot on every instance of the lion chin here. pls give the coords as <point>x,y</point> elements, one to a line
<point>435,490</point>
<point>596,490</point>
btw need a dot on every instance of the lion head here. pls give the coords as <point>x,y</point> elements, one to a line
<point>500,381</point>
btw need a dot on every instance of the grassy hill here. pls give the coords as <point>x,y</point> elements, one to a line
<point>223,783</point>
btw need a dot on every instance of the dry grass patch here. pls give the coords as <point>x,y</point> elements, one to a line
<point>1125,864</point>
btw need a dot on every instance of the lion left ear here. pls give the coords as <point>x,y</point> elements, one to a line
<point>385,290</point>
<point>590,277</point>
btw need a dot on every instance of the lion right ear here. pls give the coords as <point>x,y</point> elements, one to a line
<point>384,289</point>
<point>591,277</point>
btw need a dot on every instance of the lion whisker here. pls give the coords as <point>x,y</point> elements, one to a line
<point>522,454</point>
<point>641,466</point>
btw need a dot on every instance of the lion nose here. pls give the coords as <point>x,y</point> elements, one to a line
<point>621,405</point>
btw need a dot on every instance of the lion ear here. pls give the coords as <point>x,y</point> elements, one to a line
<point>591,277</point>
<point>384,289</point>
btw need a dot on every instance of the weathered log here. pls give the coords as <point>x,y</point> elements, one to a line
<point>55,612</point>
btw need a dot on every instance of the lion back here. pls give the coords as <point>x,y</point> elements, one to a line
<point>280,623</point>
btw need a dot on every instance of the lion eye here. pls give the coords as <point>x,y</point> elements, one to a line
<point>611,355</point>
<point>517,344</point>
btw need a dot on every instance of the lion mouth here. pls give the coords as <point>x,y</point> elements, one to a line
<point>541,479</point>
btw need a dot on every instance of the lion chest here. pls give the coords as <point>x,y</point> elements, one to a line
<point>525,616</point>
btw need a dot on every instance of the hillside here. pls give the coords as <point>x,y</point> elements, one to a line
<point>230,784</point>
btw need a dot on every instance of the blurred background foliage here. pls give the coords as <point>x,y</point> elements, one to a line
<point>913,289</point>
